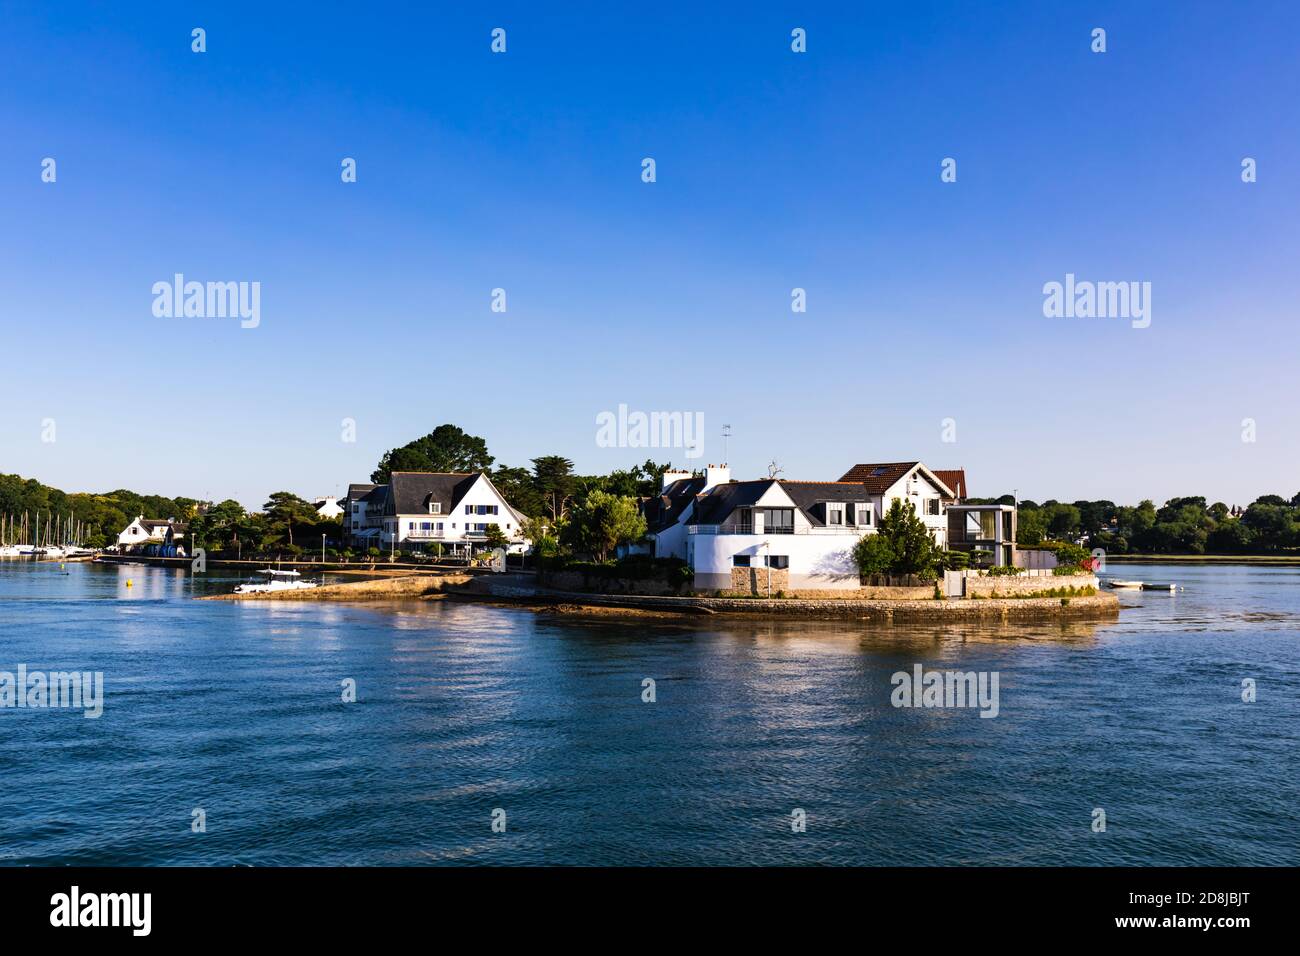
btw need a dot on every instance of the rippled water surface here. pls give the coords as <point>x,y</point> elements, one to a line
<point>462,709</point>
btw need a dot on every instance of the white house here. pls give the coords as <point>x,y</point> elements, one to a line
<point>805,530</point>
<point>423,508</point>
<point>328,507</point>
<point>148,531</point>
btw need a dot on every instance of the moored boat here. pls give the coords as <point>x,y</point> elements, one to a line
<point>276,580</point>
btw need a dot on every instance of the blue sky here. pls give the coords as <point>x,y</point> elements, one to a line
<point>774,170</point>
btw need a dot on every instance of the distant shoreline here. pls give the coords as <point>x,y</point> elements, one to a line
<point>1203,559</point>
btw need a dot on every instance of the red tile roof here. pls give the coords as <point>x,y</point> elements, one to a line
<point>879,477</point>
<point>955,479</point>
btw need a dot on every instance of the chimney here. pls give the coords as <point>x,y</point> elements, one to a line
<point>716,475</point>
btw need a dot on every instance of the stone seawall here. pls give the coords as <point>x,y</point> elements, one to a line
<point>395,589</point>
<point>1099,606</point>
<point>985,586</point>
<point>592,584</point>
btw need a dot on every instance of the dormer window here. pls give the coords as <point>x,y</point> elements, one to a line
<point>834,514</point>
<point>435,507</point>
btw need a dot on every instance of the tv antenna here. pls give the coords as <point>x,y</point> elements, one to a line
<point>773,469</point>
<point>726,435</point>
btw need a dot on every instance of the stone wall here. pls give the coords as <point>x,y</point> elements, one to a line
<point>1010,585</point>
<point>577,581</point>
<point>752,582</point>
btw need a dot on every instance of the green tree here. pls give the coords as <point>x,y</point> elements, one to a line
<point>447,448</point>
<point>495,537</point>
<point>554,479</point>
<point>603,521</point>
<point>915,551</point>
<point>873,554</point>
<point>517,487</point>
<point>284,509</point>
<point>541,536</point>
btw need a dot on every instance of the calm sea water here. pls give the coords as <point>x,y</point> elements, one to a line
<point>462,709</point>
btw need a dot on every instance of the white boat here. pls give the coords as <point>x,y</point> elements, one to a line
<point>51,553</point>
<point>10,551</point>
<point>276,581</point>
<point>1116,583</point>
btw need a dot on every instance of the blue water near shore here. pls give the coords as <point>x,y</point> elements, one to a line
<point>462,709</point>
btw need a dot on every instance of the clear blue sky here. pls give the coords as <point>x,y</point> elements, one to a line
<point>775,170</point>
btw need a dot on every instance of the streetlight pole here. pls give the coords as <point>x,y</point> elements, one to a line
<point>767,546</point>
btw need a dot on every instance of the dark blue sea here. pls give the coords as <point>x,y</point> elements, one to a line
<point>236,710</point>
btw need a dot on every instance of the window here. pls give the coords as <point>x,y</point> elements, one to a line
<point>778,520</point>
<point>835,514</point>
<point>778,561</point>
<point>740,561</point>
<point>426,526</point>
<point>469,509</point>
<point>435,507</point>
<point>864,515</point>
<point>438,526</point>
<point>932,506</point>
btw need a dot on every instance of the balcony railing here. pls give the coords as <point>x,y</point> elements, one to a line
<point>425,533</point>
<point>733,529</point>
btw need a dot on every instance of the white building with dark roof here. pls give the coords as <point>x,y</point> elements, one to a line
<point>804,531</point>
<point>150,531</point>
<point>423,508</point>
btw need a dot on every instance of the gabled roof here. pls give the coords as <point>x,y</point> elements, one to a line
<point>808,494</point>
<point>721,500</point>
<point>357,492</point>
<point>664,510</point>
<point>880,477</point>
<point>954,478</point>
<point>410,492</point>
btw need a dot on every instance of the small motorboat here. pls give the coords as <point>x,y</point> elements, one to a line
<point>1117,583</point>
<point>276,580</point>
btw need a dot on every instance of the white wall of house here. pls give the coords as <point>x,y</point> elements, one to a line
<point>329,507</point>
<point>921,488</point>
<point>818,559</point>
<point>671,541</point>
<point>137,533</point>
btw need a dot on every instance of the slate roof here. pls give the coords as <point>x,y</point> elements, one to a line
<point>722,500</point>
<point>664,510</point>
<point>809,495</point>
<point>411,491</point>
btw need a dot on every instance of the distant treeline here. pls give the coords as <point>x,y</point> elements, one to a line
<point>103,516</point>
<point>287,523</point>
<point>1269,525</point>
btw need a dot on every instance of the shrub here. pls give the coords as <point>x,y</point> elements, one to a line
<point>956,560</point>
<point>1003,571</point>
<point>873,554</point>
